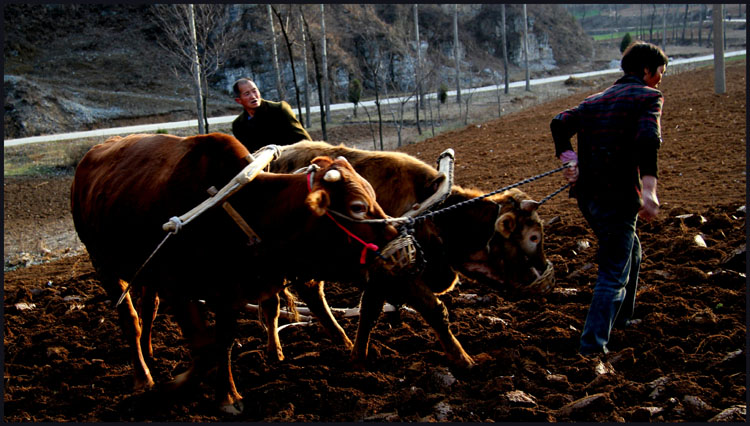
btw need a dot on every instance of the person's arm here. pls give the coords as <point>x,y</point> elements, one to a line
<point>563,127</point>
<point>648,141</point>
<point>650,207</point>
<point>295,132</point>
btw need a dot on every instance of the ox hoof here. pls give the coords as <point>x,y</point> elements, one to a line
<point>234,409</point>
<point>143,384</point>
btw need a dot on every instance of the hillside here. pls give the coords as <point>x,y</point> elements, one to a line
<point>78,67</point>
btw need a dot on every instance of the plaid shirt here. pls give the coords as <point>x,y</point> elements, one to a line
<point>619,135</point>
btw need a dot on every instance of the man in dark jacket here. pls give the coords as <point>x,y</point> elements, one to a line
<point>619,135</point>
<point>264,122</point>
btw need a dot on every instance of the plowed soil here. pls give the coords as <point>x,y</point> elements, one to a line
<point>685,361</point>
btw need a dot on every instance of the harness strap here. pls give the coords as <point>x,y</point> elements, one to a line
<point>367,246</point>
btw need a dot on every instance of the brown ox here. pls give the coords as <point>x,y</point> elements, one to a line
<point>126,188</point>
<point>497,240</point>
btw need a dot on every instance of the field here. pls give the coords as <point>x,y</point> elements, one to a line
<point>685,361</point>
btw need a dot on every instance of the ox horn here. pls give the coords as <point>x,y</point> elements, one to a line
<point>529,205</point>
<point>332,176</point>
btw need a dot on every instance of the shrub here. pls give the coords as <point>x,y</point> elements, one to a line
<point>355,93</point>
<point>626,40</point>
<point>443,93</point>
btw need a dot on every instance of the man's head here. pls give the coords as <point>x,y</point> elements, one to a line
<point>246,93</point>
<point>644,60</point>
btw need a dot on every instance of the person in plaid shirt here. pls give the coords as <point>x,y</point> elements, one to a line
<point>614,177</point>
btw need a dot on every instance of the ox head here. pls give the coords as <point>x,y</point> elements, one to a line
<point>514,254</point>
<point>337,188</point>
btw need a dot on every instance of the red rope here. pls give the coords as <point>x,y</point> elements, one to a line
<point>367,246</point>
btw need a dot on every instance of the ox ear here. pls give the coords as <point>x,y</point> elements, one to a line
<point>318,202</point>
<point>505,224</point>
<point>322,161</point>
<point>529,205</point>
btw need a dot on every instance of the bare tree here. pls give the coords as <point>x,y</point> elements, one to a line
<point>684,21</point>
<point>455,54</point>
<point>505,50</point>
<point>720,85</point>
<point>196,67</point>
<point>318,79</point>
<point>214,39</point>
<point>664,28</point>
<point>284,25</point>
<point>373,65</point>
<point>651,27</point>
<point>324,56</point>
<point>417,78</point>
<point>279,86</point>
<point>304,58</point>
<point>526,47</point>
<point>700,23</point>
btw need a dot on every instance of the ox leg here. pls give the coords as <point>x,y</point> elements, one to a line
<point>312,294</point>
<point>230,401</point>
<point>370,307</point>
<point>129,324</point>
<point>149,308</point>
<point>270,308</point>
<point>434,311</point>
<point>202,344</point>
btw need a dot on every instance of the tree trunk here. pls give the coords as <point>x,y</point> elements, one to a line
<point>664,29</point>
<point>291,58</point>
<point>700,24</point>
<point>275,54</point>
<point>720,85</point>
<point>419,98</point>
<point>307,73</point>
<point>640,23</point>
<point>684,21</point>
<point>318,79</point>
<point>526,47</point>
<point>651,27</point>
<point>455,54</point>
<point>324,55</point>
<point>505,51</point>
<point>196,71</point>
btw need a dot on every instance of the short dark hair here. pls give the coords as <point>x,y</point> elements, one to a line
<point>236,85</point>
<point>639,55</point>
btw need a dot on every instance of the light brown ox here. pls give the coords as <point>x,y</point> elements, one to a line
<point>497,240</point>
<point>126,188</point>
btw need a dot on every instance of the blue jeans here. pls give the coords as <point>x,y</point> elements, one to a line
<point>619,259</point>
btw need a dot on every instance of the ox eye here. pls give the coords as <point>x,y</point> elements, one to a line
<point>358,209</point>
<point>534,238</point>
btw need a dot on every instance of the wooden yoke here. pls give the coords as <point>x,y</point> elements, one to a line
<point>445,167</point>
<point>266,155</point>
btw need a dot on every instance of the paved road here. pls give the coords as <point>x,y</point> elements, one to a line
<point>228,119</point>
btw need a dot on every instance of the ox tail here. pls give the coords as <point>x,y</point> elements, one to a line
<point>291,305</point>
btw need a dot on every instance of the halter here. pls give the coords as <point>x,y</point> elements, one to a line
<point>367,246</point>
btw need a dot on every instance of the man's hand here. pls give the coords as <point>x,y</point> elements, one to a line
<point>570,173</point>
<point>650,207</point>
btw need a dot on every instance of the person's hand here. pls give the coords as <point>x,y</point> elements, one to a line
<point>650,207</point>
<point>570,173</point>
